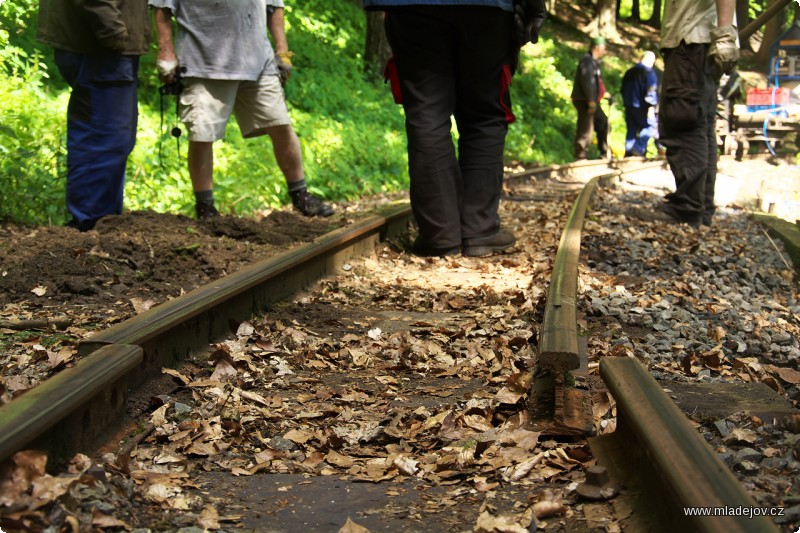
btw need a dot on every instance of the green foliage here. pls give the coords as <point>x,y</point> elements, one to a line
<point>351,132</point>
<point>31,129</point>
<point>545,128</point>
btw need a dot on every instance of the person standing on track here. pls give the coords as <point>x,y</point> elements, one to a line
<point>588,90</point>
<point>640,96</point>
<point>698,41</point>
<point>97,46</point>
<point>455,58</point>
<point>227,66</point>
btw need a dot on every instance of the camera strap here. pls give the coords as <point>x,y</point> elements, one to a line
<point>176,130</point>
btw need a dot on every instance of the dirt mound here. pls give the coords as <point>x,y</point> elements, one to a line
<point>146,255</point>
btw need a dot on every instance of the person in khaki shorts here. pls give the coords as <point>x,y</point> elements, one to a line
<point>228,66</point>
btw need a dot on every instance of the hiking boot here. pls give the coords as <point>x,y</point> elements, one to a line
<point>206,211</point>
<point>483,246</point>
<point>421,249</point>
<point>311,206</point>
<point>661,214</point>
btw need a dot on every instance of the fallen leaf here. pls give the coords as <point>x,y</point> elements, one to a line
<point>39,290</point>
<point>352,527</point>
<point>103,520</point>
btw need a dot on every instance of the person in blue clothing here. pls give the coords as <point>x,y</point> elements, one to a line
<point>455,58</point>
<point>97,46</point>
<point>640,97</point>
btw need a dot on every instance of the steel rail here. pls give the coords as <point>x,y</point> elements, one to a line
<point>689,470</point>
<point>63,401</point>
<point>558,341</point>
<point>649,424</point>
<point>126,354</point>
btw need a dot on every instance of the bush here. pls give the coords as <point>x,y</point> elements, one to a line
<point>31,139</point>
<point>352,133</point>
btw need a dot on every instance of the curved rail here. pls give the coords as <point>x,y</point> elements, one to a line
<point>74,407</point>
<point>558,344</point>
<point>649,424</point>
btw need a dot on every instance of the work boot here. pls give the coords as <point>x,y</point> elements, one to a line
<point>662,214</point>
<point>206,211</point>
<point>422,249</point>
<point>483,246</point>
<point>311,206</point>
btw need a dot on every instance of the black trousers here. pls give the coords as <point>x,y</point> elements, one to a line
<point>687,130</point>
<point>589,123</point>
<point>454,61</point>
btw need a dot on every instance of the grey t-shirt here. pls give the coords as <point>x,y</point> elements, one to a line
<point>222,39</point>
<point>687,20</point>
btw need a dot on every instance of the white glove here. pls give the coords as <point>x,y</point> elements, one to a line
<point>166,67</point>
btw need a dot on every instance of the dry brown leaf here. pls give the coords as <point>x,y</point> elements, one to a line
<point>482,484</point>
<point>209,517</point>
<point>103,520</point>
<point>478,422</point>
<point>255,397</point>
<point>18,474</point>
<point>508,396</point>
<point>159,416</point>
<point>352,527</point>
<point>299,436</point>
<point>140,305</point>
<point>742,435</point>
<point>406,465</point>
<point>505,523</point>
<point>174,373</point>
<point>519,471</point>
<point>789,375</point>
<point>339,460</point>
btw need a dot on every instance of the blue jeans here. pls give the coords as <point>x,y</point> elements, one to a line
<point>101,131</point>
<point>640,129</point>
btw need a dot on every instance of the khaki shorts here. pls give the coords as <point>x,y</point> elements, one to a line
<point>206,106</point>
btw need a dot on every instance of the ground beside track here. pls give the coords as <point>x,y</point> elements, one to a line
<point>407,404</point>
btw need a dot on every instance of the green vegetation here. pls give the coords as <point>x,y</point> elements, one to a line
<point>352,133</point>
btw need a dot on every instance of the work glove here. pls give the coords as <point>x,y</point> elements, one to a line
<point>592,107</point>
<point>529,15</point>
<point>723,51</point>
<point>284,60</point>
<point>167,69</point>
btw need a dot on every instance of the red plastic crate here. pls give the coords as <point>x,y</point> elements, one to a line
<point>764,97</point>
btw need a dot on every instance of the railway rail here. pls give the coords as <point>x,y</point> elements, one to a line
<point>81,406</point>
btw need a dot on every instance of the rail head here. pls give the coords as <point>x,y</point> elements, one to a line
<point>691,471</point>
<point>558,346</point>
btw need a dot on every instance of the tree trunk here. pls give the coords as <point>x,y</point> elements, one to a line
<point>742,18</point>
<point>636,12</point>
<point>655,19</point>
<point>376,50</point>
<point>772,30</point>
<point>605,20</point>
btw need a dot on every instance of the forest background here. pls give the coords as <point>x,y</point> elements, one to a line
<point>351,131</point>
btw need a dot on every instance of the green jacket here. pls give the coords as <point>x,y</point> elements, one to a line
<point>95,26</point>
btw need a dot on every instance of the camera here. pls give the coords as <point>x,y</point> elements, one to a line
<point>176,87</point>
